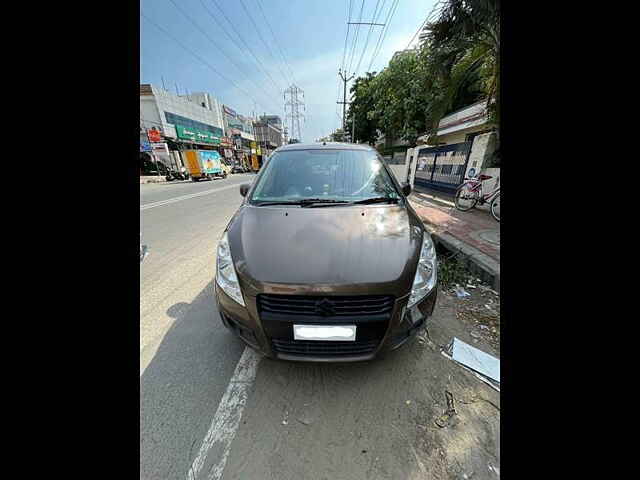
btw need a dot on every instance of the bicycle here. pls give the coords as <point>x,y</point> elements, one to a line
<point>471,190</point>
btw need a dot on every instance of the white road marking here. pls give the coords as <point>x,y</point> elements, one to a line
<point>227,418</point>
<point>160,203</point>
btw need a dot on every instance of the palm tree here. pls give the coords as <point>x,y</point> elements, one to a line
<point>462,48</point>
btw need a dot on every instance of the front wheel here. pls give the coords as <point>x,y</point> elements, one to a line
<point>466,198</point>
<point>495,207</point>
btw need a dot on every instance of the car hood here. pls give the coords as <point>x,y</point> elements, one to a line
<point>343,250</point>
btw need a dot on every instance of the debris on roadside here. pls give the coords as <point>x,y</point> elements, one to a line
<point>484,366</point>
<point>448,418</point>
<point>461,292</point>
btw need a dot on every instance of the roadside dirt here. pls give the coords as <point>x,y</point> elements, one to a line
<point>412,415</point>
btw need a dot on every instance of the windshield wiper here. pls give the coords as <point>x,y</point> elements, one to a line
<point>303,202</point>
<point>376,200</point>
<point>309,202</point>
<point>282,202</point>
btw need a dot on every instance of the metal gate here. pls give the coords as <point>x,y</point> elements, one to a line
<point>443,167</point>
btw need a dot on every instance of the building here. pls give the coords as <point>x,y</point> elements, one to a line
<point>239,129</point>
<point>269,135</point>
<point>181,122</point>
<point>466,146</point>
<point>274,120</point>
<point>464,124</point>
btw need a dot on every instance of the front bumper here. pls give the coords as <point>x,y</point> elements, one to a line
<point>245,322</point>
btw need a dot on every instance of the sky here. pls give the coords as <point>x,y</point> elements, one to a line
<point>247,61</point>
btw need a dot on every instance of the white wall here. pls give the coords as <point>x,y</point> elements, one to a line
<point>481,151</point>
<point>476,115</point>
<point>399,172</point>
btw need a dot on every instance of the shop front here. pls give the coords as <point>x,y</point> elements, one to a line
<point>188,138</point>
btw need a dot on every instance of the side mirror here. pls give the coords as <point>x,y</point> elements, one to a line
<point>244,188</point>
<point>406,189</point>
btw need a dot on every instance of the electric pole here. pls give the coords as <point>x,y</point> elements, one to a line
<point>295,103</point>
<point>344,101</point>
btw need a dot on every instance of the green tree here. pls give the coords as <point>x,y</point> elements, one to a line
<point>362,108</point>
<point>337,135</point>
<point>463,50</point>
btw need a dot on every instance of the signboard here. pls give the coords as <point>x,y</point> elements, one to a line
<point>228,111</point>
<point>210,160</point>
<point>154,135</point>
<point>160,148</point>
<point>258,152</point>
<point>145,146</point>
<point>225,142</point>
<point>228,153</point>
<point>196,135</point>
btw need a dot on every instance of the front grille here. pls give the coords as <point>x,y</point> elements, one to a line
<point>323,348</point>
<point>339,306</point>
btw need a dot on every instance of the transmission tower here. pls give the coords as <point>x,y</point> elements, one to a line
<point>293,106</point>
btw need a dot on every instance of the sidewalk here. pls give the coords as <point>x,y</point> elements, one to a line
<point>474,234</point>
<point>152,179</point>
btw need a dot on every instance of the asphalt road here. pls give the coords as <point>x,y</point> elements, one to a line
<point>186,356</point>
<point>211,409</point>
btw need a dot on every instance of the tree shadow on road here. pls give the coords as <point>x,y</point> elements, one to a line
<point>181,387</point>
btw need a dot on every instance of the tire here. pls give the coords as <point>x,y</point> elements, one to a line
<point>495,207</point>
<point>473,199</point>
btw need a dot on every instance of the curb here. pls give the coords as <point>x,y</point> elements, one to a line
<point>152,180</point>
<point>478,262</point>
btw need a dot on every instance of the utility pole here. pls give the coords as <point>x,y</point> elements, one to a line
<point>353,129</point>
<point>344,101</point>
<point>295,104</point>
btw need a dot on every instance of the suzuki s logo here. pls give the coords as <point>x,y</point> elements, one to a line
<point>325,308</point>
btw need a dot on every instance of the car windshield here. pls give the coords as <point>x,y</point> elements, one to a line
<point>332,175</point>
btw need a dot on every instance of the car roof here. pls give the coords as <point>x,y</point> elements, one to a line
<point>324,146</point>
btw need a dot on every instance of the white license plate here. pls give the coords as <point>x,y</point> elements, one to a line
<point>341,333</point>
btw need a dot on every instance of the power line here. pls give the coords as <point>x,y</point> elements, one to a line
<point>240,69</point>
<point>421,27</point>
<point>278,89</point>
<point>242,40</point>
<point>366,43</point>
<point>383,34</point>
<point>275,39</point>
<point>200,59</point>
<point>344,52</point>
<point>263,40</point>
<point>355,43</point>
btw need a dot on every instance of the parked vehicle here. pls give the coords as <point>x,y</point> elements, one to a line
<point>237,168</point>
<point>204,164</point>
<point>470,193</point>
<point>226,166</point>
<point>174,175</point>
<point>325,260</point>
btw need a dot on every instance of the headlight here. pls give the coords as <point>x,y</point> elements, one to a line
<point>427,271</point>
<point>226,277</point>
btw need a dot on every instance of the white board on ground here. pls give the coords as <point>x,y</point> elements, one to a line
<point>475,359</point>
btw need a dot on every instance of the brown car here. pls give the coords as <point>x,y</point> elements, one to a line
<point>325,260</point>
